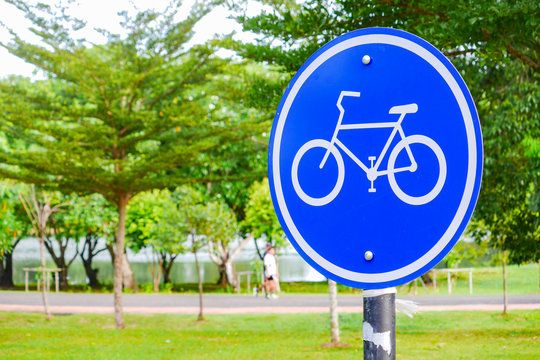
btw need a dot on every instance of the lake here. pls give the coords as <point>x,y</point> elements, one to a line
<point>291,266</point>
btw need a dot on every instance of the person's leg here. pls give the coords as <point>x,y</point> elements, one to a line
<point>273,288</point>
<point>268,286</point>
<point>263,286</point>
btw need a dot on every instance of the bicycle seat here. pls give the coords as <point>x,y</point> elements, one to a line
<point>404,109</point>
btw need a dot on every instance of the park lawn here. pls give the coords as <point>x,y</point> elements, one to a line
<point>430,335</point>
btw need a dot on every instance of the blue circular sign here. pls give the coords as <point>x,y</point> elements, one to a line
<point>375,158</point>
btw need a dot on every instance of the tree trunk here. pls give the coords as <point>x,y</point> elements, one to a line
<point>39,217</point>
<point>334,320</point>
<point>44,277</point>
<point>119,262</point>
<point>63,277</point>
<point>6,267</point>
<point>231,279</point>
<point>91,273</point>
<point>60,260</point>
<point>200,317</point>
<point>6,270</point>
<point>167,267</point>
<point>226,275</point>
<point>128,279</point>
<point>505,290</point>
<point>157,267</point>
<point>224,260</point>
<point>222,280</point>
<point>128,276</point>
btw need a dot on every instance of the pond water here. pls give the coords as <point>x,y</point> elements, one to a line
<point>291,266</point>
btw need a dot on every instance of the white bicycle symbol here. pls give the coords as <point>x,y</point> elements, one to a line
<point>372,172</point>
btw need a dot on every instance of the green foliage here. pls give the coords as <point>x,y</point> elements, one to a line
<point>260,215</point>
<point>155,219</point>
<point>14,222</point>
<point>249,92</point>
<point>292,30</point>
<point>222,227</point>
<point>82,215</point>
<point>466,251</point>
<point>95,215</point>
<point>508,206</point>
<point>194,214</point>
<point>204,220</point>
<point>116,119</point>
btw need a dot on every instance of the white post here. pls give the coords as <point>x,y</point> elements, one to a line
<point>470,281</point>
<point>57,286</point>
<point>26,280</point>
<point>449,277</point>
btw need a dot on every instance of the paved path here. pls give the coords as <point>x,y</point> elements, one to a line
<point>64,303</point>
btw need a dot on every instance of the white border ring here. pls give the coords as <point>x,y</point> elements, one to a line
<point>472,159</point>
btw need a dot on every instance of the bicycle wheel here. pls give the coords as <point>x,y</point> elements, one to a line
<point>318,201</point>
<point>433,146</point>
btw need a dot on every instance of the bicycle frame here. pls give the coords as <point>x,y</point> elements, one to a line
<point>373,172</point>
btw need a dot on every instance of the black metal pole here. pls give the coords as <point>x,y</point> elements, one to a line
<point>379,328</point>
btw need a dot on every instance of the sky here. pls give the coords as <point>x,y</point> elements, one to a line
<point>103,14</point>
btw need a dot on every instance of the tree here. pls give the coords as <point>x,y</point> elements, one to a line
<point>507,213</point>
<point>292,30</point>
<point>115,119</point>
<point>14,226</point>
<point>466,250</point>
<point>261,219</point>
<point>245,89</point>
<point>155,220</point>
<point>221,232</point>
<point>64,230</point>
<point>334,318</point>
<point>97,223</point>
<point>83,222</point>
<point>195,215</point>
<point>38,208</point>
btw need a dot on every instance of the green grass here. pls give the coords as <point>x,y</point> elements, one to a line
<point>430,335</point>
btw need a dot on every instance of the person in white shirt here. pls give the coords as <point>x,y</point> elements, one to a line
<point>270,272</point>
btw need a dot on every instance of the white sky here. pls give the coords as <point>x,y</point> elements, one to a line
<point>103,14</point>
